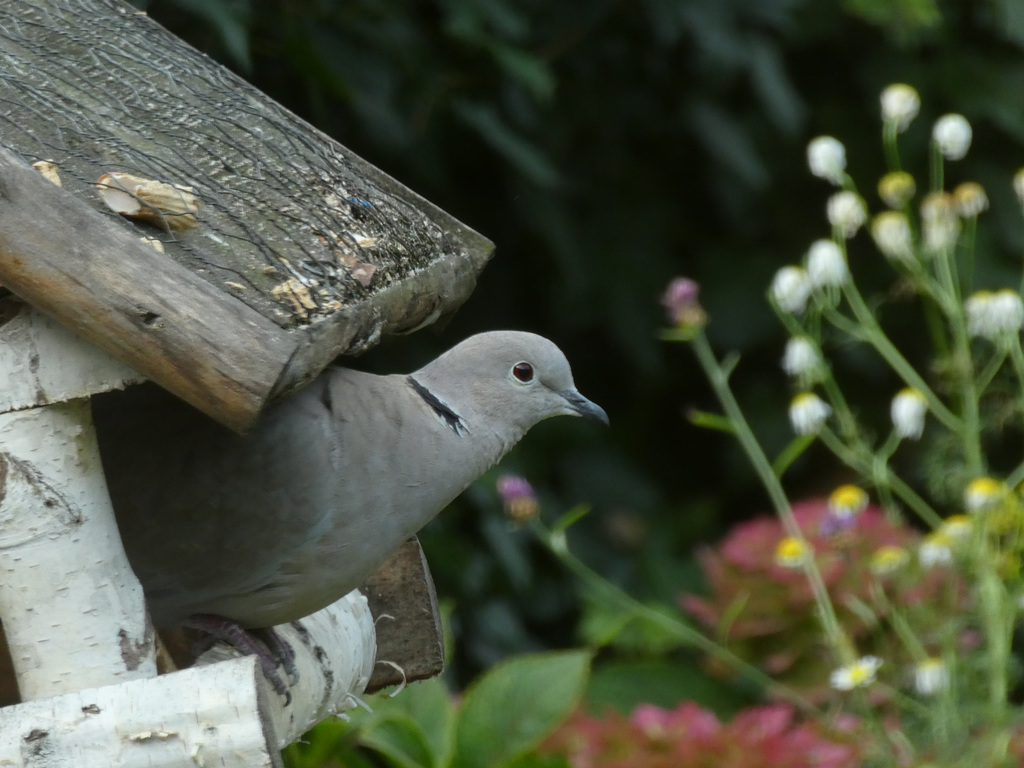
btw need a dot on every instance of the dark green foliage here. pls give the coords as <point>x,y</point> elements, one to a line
<point>606,147</point>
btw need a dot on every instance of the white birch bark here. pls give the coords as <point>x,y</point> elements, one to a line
<point>73,611</point>
<point>335,650</point>
<point>222,713</point>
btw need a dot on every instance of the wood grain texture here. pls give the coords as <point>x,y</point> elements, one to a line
<point>94,276</point>
<point>289,223</point>
<point>404,606</point>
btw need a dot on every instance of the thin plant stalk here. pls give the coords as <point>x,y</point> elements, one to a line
<point>718,377</point>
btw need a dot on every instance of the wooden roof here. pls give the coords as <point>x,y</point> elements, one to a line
<point>264,248</point>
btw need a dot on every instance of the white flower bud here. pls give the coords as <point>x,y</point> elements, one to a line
<point>930,677</point>
<point>897,188</point>
<point>826,265</point>
<point>939,221</point>
<point>952,133</point>
<point>994,316</point>
<point>807,413</point>
<point>847,212</point>
<point>791,287</point>
<point>900,105</point>
<point>826,157</point>
<point>908,411</point>
<point>801,357</point>
<point>1018,185</point>
<point>970,199</point>
<point>935,549</point>
<point>891,232</point>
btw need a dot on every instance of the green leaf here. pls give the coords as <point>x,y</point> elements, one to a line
<point>622,685</point>
<point>768,76</point>
<point>607,623</point>
<point>571,517</point>
<point>402,741</point>
<point>430,706</point>
<point>513,707</point>
<point>525,156</point>
<point>332,741</point>
<point>791,453</point>
<point>526,68</point>
<point>228,19</point>
<point>707,420</point>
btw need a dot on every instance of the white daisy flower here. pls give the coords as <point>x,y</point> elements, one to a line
<point>931,676</point>
<point>801,357</point>
<point>846,212</point>
<point>994,315</point>
<point>888,559</point>
<point>826,157</point>
<point>939,221</point>
<point>957,527</point>
<point>970,199</point>
<point>826,265</point>
<point>982,493</point>
<point>935,549</point>
<point>791,552</point>
<point>1018,185</point>
<point>791,287</point>
<point>897,188</point>
<point>846,501</point>
<point>900,105</point>
<point>908,411</point>
<point>856,675</point>
<point>891,232</point>
<point>952,133</point>
<point>808,412</point>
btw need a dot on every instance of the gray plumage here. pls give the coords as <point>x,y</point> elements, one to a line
<point>271,526</point>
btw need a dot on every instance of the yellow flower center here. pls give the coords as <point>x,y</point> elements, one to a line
<point>848,500</point>
<point>791,552</point>
<point>888,558</point>
<point>982,492</point>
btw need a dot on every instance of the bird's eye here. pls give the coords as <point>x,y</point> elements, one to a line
<point>523,372</point>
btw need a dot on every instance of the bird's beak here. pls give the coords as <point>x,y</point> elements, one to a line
<point>580,406</point>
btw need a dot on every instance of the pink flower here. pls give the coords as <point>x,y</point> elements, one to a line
<point>766,612</point>
<point>691,737</point>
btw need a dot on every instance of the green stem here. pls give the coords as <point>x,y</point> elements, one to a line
<point>882,477</point>
<point>720,384</point>
<point>992,368</point>
<point>936,167</point>
<point>962,365</point>
<point>874,335</point>
<point>967,240</point>
<point>892,154</point>
<point>556,542</point>
<point>845,417</point>
<point>998,629</point>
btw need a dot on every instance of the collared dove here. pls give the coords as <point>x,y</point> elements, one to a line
<point>269,527</point>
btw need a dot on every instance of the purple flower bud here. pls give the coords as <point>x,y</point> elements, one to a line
<point>517,496</point>
<point>680,299</point>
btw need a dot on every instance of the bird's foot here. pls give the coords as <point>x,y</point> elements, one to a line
<point>265,644</point>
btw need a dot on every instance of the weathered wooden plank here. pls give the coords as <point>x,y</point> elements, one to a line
<point>404,605</point>
<point>63,257</point>
<point>289,222</point>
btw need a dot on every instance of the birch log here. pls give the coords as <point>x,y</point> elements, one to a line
<point>334,649</point>
<point>74,613</point>
<point>222,713</point>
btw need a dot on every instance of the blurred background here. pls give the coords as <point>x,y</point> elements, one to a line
<point>606,147</point>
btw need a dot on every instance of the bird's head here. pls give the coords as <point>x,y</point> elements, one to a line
<point>510,377</point>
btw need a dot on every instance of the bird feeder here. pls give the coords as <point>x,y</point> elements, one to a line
<point>161,219</point>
